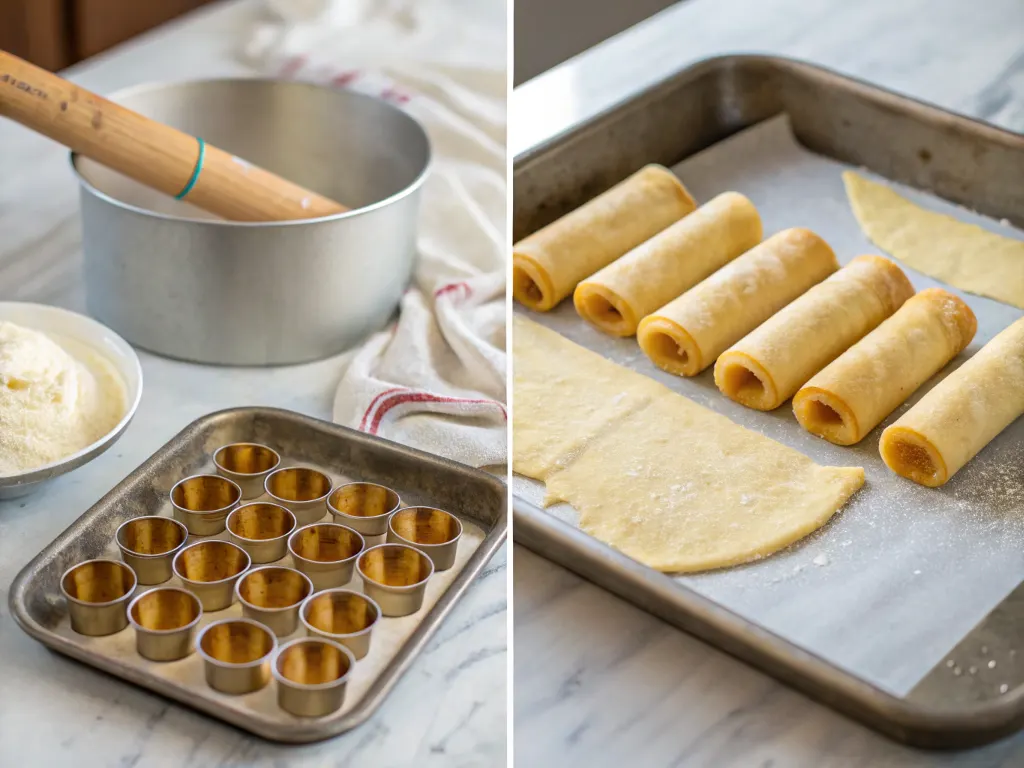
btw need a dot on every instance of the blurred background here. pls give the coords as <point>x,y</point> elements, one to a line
<point>57,33</point>
<point>551,31</point>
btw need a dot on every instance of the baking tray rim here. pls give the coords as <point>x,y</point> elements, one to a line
<point>902,719</point>
<point>315,730</point>
<point>791,64</point>
<point>899,718</point>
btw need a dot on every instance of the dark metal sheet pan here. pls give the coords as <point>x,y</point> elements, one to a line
<point>941,694</point>
<point>477,498</point>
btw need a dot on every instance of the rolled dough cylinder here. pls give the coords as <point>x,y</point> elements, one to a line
<point>618,297</point>
<point>686,335</point>
<point>766,367</point>
<point>851,396</point>
<point>547,265</point>
<point>961,415</point>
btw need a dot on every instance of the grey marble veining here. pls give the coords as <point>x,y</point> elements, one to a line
<point>448,710</point>
<point>596,681</point>
<point>600,683</point>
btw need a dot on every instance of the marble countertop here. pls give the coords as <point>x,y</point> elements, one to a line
<point>448,710</point>
<point>597,682</point>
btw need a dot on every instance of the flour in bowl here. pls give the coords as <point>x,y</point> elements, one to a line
<point>52,403</point>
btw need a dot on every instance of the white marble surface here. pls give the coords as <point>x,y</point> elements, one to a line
<point>598,682</point>
<point>448,710</point>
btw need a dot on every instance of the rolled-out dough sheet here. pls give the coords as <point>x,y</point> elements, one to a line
<point>960,254</point>
<point>660,478</point>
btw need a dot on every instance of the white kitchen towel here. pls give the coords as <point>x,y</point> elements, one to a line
<point>436,380</point>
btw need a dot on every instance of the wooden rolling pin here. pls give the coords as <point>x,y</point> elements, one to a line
<point>154,154</point>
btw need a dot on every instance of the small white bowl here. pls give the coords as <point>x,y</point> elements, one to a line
<point>63,324</point>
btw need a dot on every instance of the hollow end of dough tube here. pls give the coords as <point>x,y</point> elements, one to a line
<point>823,414</point>
<point>530,286</point>
<point>912,455</point>
<point>604,309</point>
<point>669,346</point>
<point>743,379</point>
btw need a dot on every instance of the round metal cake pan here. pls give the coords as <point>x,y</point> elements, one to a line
<point>182,283</point>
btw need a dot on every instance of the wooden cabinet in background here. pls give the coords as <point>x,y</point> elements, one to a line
<point>100,24</point>
<point>36,30</point>
<point>57,33</point>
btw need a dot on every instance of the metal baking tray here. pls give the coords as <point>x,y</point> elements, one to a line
<point>477,498</point>
<point>906,611</point>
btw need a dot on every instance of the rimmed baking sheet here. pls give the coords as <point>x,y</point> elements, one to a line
<point>902,573</point>
<point>477,498</point>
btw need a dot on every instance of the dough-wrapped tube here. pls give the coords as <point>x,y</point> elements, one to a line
<point>851,396</point>
<point>963,413</point>
<point>618,297</point>
<point>686,335</point>
<point>547,265</point>
<point>766,367</point>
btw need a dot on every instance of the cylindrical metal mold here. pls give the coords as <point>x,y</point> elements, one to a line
<point>311,676</point>
<point>174,280</point>
<point>364,507</point>
<point>203,502</point>
<point>341,615</point>
<point>433,532</point>
<point>148,545</point>
<point>395,576</point>
<point>326,553</point>
<point>165,620</point>
<point>210,569</point>
<point>97,593</point>
<point>246,465</point>
<point>236,655</point>
<point>262,530</point>
<point>303,490</point>
<point>272,595</point>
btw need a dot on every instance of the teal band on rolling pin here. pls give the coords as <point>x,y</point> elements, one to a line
<point>195,171</point>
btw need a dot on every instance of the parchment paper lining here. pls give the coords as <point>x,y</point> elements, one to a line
<point>902,573</point>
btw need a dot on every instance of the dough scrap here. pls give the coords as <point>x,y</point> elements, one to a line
<point>962,255</point>
<point>665,481</point>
